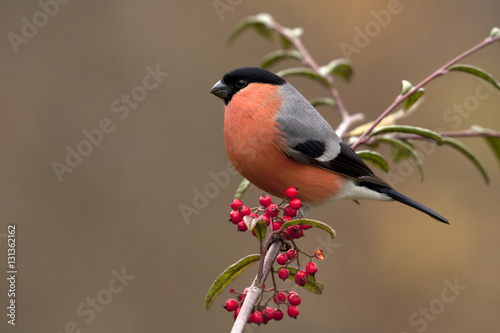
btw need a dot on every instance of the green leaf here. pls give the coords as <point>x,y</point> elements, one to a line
<point>285,42</point>
<point>259,228</point>
<point>275,56</point>
<point>312,223</point>
<point>264,31</point>
<point>492,141</point>
<point>475,71</point>
<point>305,72</point>
<point>374,158</point>
<point>323,101</point>
<point>405,86</point>
<point>402,146</point>
<point>495,32</point>
<point>311,285</point>
<point>407,148</point>
<point>409,129</point>
<point>408,102</point>
<point>469,154</point>
<point>339,67</point>
<point>260,22</point>
<point>399,155</point>
<point>244,185</point>
<point>227,276</point>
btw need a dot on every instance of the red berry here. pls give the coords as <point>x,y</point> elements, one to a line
<point>236,203</point>
<point>291,193</point>
<point>265,200</point>
<point>283,273</point>
<point>237,312</point>
<point>305,226</point>
<point>272,210</point>
<point>244,210</point>
<point>267,313</point>
<point>230,305</point>
<point>282,259</point>
<point>293,311</point>
<point>257,317</point>
<point>266,218</point>
<point>242,226</point>
<point>278,314</point>
<point>276,226</point>
<point>281,298</point>
<point>311,268</point>
<point>286,218</point>
<point>235,216</point>
<point>301,278</point>
<point>294,298</point>
<point>286,235</point>
<point>295,231</point>
<point>289,211</point>
<point>291,254</point>
<point>253,215</point>
<point>295,204</point>
<point>241,297</point>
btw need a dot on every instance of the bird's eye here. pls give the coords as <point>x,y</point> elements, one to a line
<point>241,83</point>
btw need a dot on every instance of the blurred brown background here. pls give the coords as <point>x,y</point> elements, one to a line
<point>118,210</point>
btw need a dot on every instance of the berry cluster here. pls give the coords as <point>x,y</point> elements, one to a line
<point>269,212</point>
<point>301,276</point>
<point>264,313</point>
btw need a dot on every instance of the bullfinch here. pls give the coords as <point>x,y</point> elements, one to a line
<point>276,139</point>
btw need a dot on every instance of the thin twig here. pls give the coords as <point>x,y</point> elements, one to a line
<point>441,71</point>
<point>347,119</point>
<point>456,134</point>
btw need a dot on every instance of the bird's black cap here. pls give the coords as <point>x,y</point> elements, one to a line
<point>237,79</point>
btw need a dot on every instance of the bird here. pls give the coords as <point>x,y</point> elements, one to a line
<point>276,139</point>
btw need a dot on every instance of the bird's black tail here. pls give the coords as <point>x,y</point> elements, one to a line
<point>405,200</point>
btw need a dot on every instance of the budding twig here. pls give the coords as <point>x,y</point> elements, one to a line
<point>308,60</point>
<point>456,134</point>
<point>441,71</point>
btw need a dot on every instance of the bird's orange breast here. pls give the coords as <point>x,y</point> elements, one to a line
<point>255,145</point>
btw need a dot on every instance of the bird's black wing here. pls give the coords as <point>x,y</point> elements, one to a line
<point>346,163</point>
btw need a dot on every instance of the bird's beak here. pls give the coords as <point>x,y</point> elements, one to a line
<point>220,90</point>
